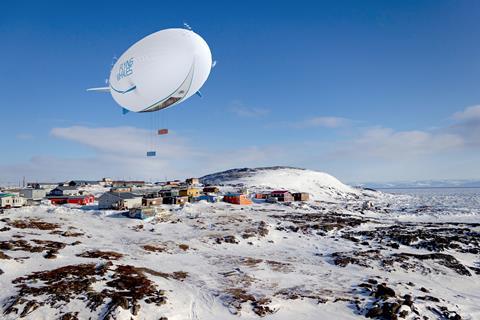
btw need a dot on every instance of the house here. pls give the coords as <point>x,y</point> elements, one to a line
<point>192,181</point>
<point>78,199</point>
<point>10,200</point>
<point>172,183</point>
<point>152,201</point>
<point>123,183</point>
<point>189,192</point>
<point>175,200</point>
<point>211,189</point>
<point>82,183</point>
<point>237,198</point>
<point>119,200</point>
<point>261,195</point>
<point>106,182</point>
<point>169,193</point>
<point>282,195</point>
<point>64,191</point>
<point>301,196</point>
<point>42,185</point>
<point>33,194</point>
<point>120,189</point>
<point>208,198</point>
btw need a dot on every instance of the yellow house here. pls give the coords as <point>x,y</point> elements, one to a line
<point>189,192</point>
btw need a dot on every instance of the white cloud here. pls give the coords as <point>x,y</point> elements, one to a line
<point>469,114</point>
<point>386,143</point>
<point>326,122</point>
<point>372,153</point>
<point>129,141</point>
<point>120,152</point>
<point>243,111</point>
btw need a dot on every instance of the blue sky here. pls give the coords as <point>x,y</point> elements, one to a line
<point>364,90</point>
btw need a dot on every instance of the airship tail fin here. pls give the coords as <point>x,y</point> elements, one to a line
<point>125,111</point>
<point>99,89</point>
<point>198,93</point>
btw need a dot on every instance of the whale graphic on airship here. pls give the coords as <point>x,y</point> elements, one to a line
<point>160,71</point>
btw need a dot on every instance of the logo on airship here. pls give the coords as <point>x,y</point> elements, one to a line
<point>125,69</point>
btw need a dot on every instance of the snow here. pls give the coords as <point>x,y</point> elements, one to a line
<point>320,185</point>
<point>294,270</point>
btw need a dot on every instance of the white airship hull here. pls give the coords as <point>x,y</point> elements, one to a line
<point>161,70</point>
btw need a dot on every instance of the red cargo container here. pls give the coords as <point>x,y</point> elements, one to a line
<point>162,131</point>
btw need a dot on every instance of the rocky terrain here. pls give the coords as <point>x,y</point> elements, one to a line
<point>360,254</point>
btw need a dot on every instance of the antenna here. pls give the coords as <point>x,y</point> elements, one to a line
<point>187,26</point>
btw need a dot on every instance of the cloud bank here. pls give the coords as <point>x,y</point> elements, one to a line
<point>374,153</point>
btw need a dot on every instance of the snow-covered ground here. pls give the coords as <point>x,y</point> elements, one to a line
<point>407,255</point>
<point>320,185</point>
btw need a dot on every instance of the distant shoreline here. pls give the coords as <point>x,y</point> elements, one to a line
<point>407,188</point>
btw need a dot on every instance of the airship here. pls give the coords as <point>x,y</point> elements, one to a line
<point>160,71</point>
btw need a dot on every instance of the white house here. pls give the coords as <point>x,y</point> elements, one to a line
<point>64,191</point>
<point>119,200</point>
<point>10,200</point>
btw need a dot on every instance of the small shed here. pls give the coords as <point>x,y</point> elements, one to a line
<point>142,213</point>
<point>301,196</point>
<point>237,198</point>
<point>282,195</point>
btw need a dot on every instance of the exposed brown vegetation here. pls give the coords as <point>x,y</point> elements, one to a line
<point>107,255</point>
<point>154,248</point>
<point>33,224</point>
<point>126,285</point>
<point>51,247</point>
<point>183,246</point>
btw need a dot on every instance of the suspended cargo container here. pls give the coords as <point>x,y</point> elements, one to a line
<point>162,131</point>
<point>151,153</point>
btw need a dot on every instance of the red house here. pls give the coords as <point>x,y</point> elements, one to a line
<point>80,200</point>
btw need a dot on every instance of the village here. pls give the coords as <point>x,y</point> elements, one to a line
<point>138,199</point>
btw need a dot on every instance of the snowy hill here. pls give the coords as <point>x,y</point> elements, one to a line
<point>320,185</point>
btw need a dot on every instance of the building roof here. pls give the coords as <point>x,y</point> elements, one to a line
<point>65,188</point>
<point>3,195</point>
<point>84,181</point>
<point>233,194</point>
<point>125,195</point>
<point>280,191</point>
<point>129,181</point>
